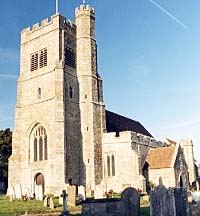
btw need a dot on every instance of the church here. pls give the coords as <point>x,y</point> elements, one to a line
<point>64,136</point>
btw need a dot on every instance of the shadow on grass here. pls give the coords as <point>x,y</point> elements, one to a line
<point>145,211</point>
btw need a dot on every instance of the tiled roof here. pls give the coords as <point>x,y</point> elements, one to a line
<point>118,123</point>
<point>160,157</point>
<point>171,142</point>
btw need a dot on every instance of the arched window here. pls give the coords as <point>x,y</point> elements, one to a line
<point>40,144</point>
<point>35,149</point>
<point>108,165</point>
<point>39,93</point>
<point>40,149</point>
<point>45,148</point>
<point>113,165</point>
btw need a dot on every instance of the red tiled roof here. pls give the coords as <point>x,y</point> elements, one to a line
<point>160,157</point>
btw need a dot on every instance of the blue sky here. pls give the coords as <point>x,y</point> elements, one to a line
<point>148,57</point>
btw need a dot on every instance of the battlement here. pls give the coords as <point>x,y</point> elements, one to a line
<point>55,19</point>
<point>84,9</point>
<point>130,136</point>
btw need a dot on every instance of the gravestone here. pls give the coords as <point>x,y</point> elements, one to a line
<point>169,202</point>
<point>64,197</point>
<point>81,192</point>
<point>162,202</point>
<point>11,192</point>
<point>11,198</point>
<point>18,191</point>
<point>60,200</point>
<point>130,202</point>
<point>88,191</point>
<point>195,196</point>
<point>51,203</point>
<point>38,192</point>
<point>181,202</point>
<point>71,190</point>
<point>45,203</point>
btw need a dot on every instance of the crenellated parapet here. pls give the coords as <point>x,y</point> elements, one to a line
<point>85,9</point>
<point>57,21</point>
<point>137,138</point>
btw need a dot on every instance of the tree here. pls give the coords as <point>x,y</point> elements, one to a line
<point>5,152</point>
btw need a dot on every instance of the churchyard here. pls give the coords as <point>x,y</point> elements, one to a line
<point>35,207</point>
<point>161,201</point>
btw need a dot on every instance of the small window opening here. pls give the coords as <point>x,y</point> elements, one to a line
<point>70,92</point>
<point>39,93</point>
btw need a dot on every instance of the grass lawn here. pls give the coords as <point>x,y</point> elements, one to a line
<point>35,207</point>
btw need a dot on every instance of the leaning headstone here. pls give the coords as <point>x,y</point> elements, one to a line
<point>130,202</point>
<point>45,203</point>
<point>162,202</point>
<point>81,192</point>
<point>51,203</point>
<point>71,195</point>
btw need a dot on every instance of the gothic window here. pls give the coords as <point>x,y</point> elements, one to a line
<point>35,149</point>
<point>45,147</point>
<point>40,144</point>
<point>70,57</point>
<point>113,165</point>
<point>40,148</point>
<point>70,92</point>
<point>108,165</point>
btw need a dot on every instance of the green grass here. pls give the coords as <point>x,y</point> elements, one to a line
<point>19,207</point>
<point>35,207</point>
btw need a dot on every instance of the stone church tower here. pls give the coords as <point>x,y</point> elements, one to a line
<point>60,116</point>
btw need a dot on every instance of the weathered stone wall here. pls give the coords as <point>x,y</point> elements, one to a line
<point>91,108</point>
<point>187,146</point>
<point>181,169</point>
<point>47,110</point>
<point>167,174</point>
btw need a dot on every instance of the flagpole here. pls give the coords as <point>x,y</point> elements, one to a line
<point>56,6</point>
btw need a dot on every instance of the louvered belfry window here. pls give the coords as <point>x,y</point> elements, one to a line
<point>34,61</point>
<point>70,57</point>
<point>39,59</point>
<point>43,58</point>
